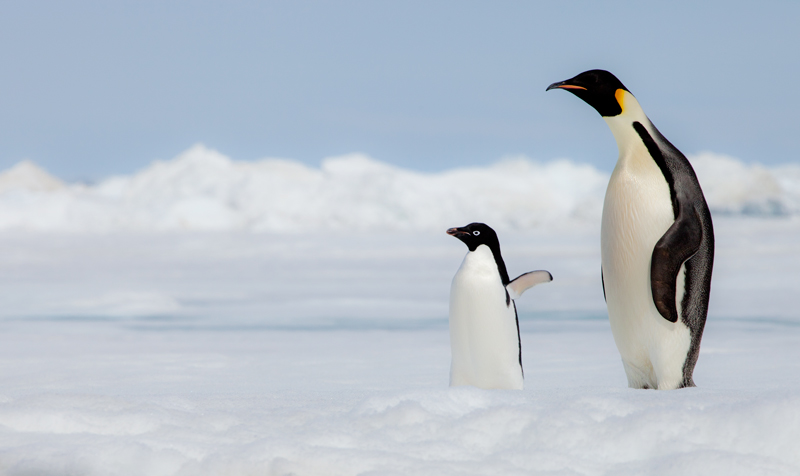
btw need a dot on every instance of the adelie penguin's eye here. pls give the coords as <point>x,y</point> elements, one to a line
<point>476,233</point>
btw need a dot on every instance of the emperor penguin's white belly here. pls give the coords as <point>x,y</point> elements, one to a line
<point>483,330</point>
<point>636,214</point>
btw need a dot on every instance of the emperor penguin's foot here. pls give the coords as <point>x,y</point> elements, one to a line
<point>674,383</point>
<point>639,377</point>
<point>671,378</point>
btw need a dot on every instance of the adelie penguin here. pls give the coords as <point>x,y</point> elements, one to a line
<point>657,242</point>
<point>484,328</point>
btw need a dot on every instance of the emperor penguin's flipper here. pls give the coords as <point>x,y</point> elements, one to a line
<point>679,243</point>
<point>525,281</point>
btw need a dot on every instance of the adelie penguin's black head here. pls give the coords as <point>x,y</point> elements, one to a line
<point>476,234</point>
<point>598,88</point>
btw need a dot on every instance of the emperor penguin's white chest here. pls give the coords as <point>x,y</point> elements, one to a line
<point>636,213</point>
<point>484,340</point>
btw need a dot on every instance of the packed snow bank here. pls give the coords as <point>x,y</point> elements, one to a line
<point>202,189</point>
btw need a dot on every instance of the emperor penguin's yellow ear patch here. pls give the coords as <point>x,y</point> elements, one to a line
<point>620,95</point>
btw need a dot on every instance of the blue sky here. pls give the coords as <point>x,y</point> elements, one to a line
<point>89,89</point>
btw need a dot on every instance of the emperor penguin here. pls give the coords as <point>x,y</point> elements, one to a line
<point>656,242</point>
<point>484,327</point>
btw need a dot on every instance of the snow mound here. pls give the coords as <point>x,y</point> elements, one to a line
<point>27,176</point>
<point>204,190</point>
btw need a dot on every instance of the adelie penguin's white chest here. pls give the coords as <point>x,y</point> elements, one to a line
<point>483,331</point>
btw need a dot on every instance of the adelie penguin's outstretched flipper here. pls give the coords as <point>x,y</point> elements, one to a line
<point>523,282</point>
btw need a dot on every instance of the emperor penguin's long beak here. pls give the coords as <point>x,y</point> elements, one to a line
<point>564,85</point>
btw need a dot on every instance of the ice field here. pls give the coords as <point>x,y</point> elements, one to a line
<point>192,320</point>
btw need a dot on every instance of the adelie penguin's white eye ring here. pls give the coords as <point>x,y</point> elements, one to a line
<point>476,233</point>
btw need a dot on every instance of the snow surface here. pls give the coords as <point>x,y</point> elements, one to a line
<point>327,354</point>
<point>321,347</point>
<point>203,190</point>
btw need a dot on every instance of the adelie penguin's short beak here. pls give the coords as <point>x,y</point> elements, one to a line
<point>456,232</point>
<point>564,85</point>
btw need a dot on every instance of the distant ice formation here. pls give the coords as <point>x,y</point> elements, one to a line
<point>202,189</point>
<point>735,188</point>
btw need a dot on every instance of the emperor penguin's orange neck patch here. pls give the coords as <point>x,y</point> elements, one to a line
<point>620,95</point>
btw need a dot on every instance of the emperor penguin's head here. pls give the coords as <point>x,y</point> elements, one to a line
<point>476,234</point>
<point>600,89</point>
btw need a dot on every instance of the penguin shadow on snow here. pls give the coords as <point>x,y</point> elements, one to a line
<point>484,327</point>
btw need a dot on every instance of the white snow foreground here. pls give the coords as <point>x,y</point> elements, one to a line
<point>202,189</point>
<point>112,400</point>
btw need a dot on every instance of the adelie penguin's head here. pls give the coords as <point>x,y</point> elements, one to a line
<point>474,235</point>
<point>600,89</point>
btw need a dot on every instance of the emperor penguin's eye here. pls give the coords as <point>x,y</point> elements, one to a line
<point>476,233</point>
